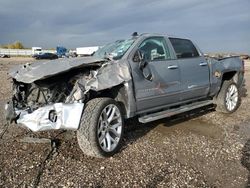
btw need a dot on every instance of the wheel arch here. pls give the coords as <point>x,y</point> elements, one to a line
<point>121,94</point>
<point>230,75</point>
<point>226,76</point>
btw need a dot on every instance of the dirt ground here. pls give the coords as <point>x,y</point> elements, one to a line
<point>201,148</point>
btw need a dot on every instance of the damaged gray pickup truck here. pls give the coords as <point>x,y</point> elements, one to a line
<point>149,76</point>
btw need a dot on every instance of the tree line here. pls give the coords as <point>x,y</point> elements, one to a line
<point>15,45</point>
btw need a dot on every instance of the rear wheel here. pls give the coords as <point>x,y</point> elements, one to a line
<point>228,99</point>
<point>101,128</point>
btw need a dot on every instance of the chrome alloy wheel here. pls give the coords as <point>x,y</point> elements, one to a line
<point>109,128</point>
<point>232,97</point>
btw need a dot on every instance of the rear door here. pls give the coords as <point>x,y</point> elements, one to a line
<point>165,86</point>
<point>194,69</point>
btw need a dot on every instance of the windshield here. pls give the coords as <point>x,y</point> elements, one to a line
<point>114,50</point>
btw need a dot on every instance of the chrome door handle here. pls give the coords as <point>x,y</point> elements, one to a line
<point>203,64</point>
<point>172,67</point>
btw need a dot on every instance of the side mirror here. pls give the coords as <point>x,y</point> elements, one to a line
<point>140,58</point>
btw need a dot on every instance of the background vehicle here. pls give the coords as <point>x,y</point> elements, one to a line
<point>149,76</point>
<point>4,56</point>
<point>36,50</point>
<point>61,51</point>
<point>72,53</point>
<point>86,51</point>
<point>45,56</point>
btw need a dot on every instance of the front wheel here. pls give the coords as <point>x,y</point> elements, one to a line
<point>101,128</point>
<point>228,99</point>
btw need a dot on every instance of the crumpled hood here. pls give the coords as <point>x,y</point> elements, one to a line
<point>29,73</point>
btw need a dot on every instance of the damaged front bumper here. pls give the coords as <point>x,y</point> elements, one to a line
<point>50,117</point>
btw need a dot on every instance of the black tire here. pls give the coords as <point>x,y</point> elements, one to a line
<point>221,99</point>
<point>87,134</point>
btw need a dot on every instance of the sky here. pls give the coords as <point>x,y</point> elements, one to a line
<point>214,25</point>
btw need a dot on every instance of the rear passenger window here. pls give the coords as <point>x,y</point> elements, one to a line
<point>184,48</point>
<point>154,49</point>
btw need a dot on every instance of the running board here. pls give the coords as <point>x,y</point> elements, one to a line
<point>171,112</point>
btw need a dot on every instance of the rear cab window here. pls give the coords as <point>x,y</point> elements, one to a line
<point>184,48</point>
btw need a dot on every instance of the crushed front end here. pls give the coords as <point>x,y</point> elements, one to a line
<point>53,103</point>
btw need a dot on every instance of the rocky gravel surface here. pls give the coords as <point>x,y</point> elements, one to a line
<point>201,148</point>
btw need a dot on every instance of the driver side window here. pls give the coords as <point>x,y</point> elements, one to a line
<point>154,49</point>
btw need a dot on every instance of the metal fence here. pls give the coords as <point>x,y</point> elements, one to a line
<point>20,52</point>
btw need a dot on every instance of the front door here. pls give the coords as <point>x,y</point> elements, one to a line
<point>164,87</point>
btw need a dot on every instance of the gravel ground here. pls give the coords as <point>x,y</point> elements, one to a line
<point>201,148</point>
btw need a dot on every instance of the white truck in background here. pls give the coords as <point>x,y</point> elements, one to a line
<point>36,50</point>
<point>86,51</point>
